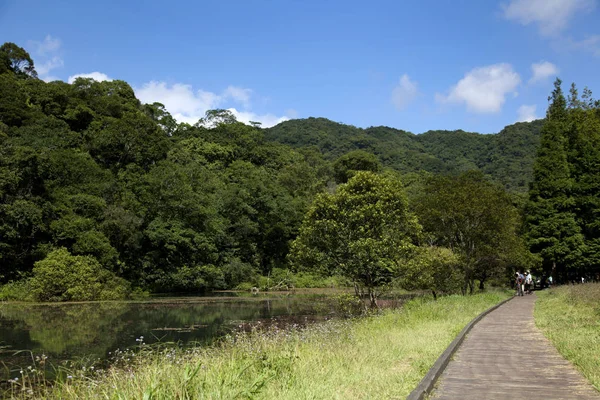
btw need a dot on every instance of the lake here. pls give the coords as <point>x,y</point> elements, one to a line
<point>94,330</point>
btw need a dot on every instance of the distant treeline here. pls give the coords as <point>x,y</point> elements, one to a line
<point>505,158</point>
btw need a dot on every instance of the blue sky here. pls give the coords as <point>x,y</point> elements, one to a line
<point>413,65</point>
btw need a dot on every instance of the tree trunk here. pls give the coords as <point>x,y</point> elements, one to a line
<point>434,294</point>
<point>373,299</point>
<point>481,285</point>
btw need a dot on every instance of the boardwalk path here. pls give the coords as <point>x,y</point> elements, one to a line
<point>506,357</point>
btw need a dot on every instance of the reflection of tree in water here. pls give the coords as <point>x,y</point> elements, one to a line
<point>92,330</point>
<point>66,329</point>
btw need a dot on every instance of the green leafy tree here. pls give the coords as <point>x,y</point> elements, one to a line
<point>363,232</point>
<point>162,117</point>
<point>13,101</point>
<point>214,118</point>
<point>349,164</point>
<point>475,219</point>
<point>17,60</point>
<point>433,268</point>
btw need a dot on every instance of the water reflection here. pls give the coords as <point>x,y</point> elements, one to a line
<point>92,330</point>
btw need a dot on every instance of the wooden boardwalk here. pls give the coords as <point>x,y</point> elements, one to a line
<point>505,356</point>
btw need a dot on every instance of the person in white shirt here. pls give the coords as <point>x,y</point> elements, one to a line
<point>528,283</point>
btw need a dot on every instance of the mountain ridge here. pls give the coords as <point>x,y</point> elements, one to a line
<point>505,157</point>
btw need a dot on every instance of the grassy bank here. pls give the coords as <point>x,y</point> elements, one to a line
<point>570,317</point>
<point>382,356</point>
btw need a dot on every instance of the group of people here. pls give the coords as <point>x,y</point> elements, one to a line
<point>524,283</point>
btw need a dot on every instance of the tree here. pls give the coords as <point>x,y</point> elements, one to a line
<point>433,268</point>
<point>552,228</point>
<point>364,232</point>
<point>349,164</point>
<point>583,136</point>
<point>214,118</point>
<point>475,219</point>
<point>161,116</point>
<point>17,60</point>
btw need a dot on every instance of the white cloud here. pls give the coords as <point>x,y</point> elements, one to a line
<point>47,53</point>
<point>44,69</point>
<point>97,76</point>
<point>238,94</point>
<point>551,16</point>
<point>267,120</point>
<point>405,92</point>
<point>542,71</point>
<point>590,44</point>
<point>187,105</point>
<point>49,45</point>
<point>483,89</point>
<point>526,113</point>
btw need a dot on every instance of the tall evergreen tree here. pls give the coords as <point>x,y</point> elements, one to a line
<point>584,157</point>
<point>553,231</point>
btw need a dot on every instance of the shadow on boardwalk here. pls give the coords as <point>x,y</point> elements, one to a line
<point>505,356</point>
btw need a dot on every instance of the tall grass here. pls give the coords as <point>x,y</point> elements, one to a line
<point>381,356</point>
<point>570,317</point>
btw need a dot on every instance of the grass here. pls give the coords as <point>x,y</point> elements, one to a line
<point>569,316</point>
<point>381,356</point>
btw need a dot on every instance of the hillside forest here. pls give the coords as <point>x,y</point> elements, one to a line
<point>103,197</point>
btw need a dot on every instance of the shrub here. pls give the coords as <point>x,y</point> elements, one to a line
<point>236,272</point>
<point>18,290</point>
<point>245,286</point>
<point>62,276</point>
<point>195,279</point>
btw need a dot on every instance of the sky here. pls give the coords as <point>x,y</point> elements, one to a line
<point>415,65</point>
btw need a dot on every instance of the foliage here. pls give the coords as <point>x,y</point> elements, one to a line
<point>476,220</point>
<point>166,206</point>
<point>506,158</point>
<point>358,160</point>
<point>363,232</point>
<point>564,205</point>
<point>15,290</point>
<point>64,277</point>
<point>16,60</point>
<point>433,268</point>
<point>87,167</point>
<point>193,279</point>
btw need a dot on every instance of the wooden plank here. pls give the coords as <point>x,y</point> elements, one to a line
<point>506,357</point>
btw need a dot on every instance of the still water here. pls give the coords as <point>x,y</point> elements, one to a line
<point>94,330</point>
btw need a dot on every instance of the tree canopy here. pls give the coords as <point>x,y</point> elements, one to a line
<point>563,208</point>
<point>364,231</point>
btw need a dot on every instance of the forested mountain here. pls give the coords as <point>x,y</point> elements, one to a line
<point>506,157</point>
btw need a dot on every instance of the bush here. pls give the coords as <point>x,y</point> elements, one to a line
<point>284,279</point>
<point>62,276</point>
<point>18,290</point>
<point>236,272</point>
<point>245,286</point>
<point>195,279</point>
<point>348,305</point>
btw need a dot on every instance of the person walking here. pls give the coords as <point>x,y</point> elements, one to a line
<point>528,283</point>
<point>519,282</point>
